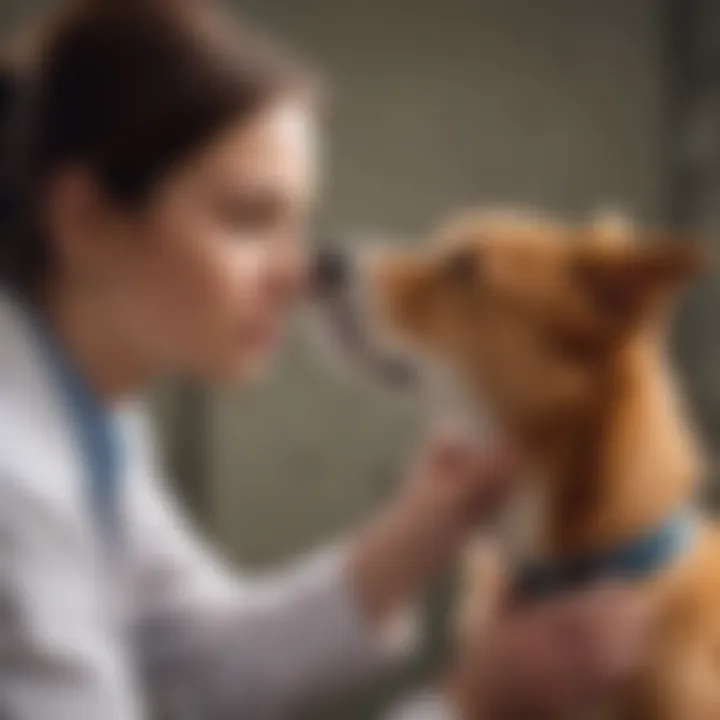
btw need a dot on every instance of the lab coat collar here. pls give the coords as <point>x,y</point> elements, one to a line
<point>39,452</point>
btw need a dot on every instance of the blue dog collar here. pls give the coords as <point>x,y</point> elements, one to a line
<point>636,559</point>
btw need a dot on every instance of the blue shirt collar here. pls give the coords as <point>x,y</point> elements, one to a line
<point>94,424</point>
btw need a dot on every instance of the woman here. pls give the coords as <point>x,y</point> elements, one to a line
<point>159,171</point>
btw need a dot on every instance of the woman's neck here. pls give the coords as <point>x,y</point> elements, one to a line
<point>95,344</point>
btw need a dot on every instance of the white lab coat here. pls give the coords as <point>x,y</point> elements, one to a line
<point>87,633</point>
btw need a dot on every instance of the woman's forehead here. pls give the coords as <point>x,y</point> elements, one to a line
<point>280,144</point>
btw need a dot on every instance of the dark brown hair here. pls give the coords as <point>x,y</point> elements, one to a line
<point>126,88</point>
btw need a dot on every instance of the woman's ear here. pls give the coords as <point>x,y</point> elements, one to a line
<point>627,282</point>
<point>75,212</point>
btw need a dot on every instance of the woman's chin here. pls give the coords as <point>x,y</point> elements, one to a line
<point>245,370</point>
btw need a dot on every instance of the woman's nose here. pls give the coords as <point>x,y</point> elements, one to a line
<point>330,272</point>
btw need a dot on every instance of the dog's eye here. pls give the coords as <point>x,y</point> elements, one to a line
<point>461,267</point>
<point>576,347</point>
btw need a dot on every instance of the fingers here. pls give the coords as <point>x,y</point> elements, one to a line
<point>607,631</point>
<point>479,477</point>
<point>558,657</point>
<point>495,470</point>
<point>453,443</point>
<point>484,589</point>
<point>450,453</point>
<point>620,633</point>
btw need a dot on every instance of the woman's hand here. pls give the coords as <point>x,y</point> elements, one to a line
<point>550,660</point>
<point>452,486</point>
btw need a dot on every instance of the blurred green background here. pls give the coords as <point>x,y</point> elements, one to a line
<point>436,104</point>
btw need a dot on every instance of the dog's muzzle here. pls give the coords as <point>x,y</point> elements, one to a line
<point>331,272</point>
<point>339,291</point>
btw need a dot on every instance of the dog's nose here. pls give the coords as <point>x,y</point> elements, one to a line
<point>331,270</point>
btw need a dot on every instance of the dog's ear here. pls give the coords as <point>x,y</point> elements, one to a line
<point>626,282</point>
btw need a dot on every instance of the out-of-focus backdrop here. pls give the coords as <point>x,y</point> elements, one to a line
<point>563,104</point>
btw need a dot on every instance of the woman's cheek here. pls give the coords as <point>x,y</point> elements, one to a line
<point>236,330</point>
<point>242,269</point>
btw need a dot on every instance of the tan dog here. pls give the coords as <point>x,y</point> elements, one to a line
<point>558,330</point>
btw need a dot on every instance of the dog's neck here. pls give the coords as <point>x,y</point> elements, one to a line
<point>617,468</point>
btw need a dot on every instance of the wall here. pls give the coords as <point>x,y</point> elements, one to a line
<point>695,179</point>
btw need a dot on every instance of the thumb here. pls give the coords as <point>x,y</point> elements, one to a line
<point>485,587</point>
<point>451,450</point>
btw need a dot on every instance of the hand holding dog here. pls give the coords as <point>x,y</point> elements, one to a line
<point>543,661</point>
<point>452,486</point>
<point>551,660</point>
